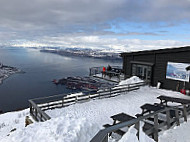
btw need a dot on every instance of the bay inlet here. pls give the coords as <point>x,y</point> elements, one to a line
<point>40,69</point>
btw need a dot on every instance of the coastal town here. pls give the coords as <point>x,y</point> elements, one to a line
<point>87,52</point>
<point>6,71</point>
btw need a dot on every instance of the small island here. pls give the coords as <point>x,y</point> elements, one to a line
<point>6,71</point>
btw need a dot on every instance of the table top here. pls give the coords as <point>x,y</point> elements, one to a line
<point>122,117</point>
<point>151,107</point>
<point>173,99</point>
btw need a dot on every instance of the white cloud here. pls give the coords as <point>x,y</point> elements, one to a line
<point>84,22</point>
<point>105,44</point>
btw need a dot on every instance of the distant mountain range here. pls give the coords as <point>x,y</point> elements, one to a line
<point>109,54</point>
<point>84,52</point>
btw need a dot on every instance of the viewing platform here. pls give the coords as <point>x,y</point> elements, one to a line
<point>115,74</point>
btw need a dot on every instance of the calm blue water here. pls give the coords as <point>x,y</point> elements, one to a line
<point>41,69</point>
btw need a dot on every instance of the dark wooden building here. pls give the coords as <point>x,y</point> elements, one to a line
<point>167,66</point>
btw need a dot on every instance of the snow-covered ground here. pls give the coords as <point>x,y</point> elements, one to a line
<point>133,79</point>
<point>11,120</point>
<point>80,122</point>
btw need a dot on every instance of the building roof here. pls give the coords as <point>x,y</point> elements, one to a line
<point>170,50</point>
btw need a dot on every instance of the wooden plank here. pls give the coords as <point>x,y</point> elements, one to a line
<point>185,113</point>
<point>119,131</point>
<point>156,127</point>
<point>168,119</point>
<point>122,117</point>
<point>152,119</point>
<point>69,97</point>
<point>83,99</point>
<point>177,116</point>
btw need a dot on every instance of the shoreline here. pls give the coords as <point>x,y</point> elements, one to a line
<point>83,53</point>
<point>7,71</point>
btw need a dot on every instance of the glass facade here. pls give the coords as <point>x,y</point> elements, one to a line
<point>142,71</point>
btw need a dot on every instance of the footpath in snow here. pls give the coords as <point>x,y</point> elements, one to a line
<point>80,122</point>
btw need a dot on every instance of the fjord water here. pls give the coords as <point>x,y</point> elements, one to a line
<point>40,69</point>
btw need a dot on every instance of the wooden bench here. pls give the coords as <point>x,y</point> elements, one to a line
<point>118,118</point>
<point>119,131</point>
<point>184,102</point>
<point>152,108</point>
<point>121,117</point>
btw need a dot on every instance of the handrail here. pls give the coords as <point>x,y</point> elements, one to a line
<point>62,100</point>
<point>107,91</point>
<point>100,136</point>
<point>38,110</point>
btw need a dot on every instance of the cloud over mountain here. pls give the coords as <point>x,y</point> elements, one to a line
<point>137,19</point>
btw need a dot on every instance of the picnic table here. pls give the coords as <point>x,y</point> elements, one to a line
<point>118,118</point>
<point>166,99</point>
<point>184,102</point>
<point>121,117</point>
<point>116,69</point>
<point>152,108</point>
<point>110,74</point>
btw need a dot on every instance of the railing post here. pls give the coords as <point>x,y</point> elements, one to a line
<point>168,119</point>
<point>62,101</point>
<point>41,117</point>
<point>177,116</point>
<point>156,127</point>
<point>184,112</point>
<point>30,105</point>
<point>110,92</point>
<point>36,114</point>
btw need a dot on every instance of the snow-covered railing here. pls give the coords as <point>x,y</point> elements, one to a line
<point>39,105</point>
<point>103,135</point>
<point>37,113</point>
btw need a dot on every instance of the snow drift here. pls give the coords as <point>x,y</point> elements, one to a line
<point>133,79</point>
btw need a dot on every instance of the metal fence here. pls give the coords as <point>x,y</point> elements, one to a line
<point>39,105</point>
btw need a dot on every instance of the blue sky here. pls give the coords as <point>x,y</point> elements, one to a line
<point>126,25</point>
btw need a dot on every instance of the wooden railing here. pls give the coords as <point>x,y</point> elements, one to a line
<point>39,105</point>
<point>102,135</point>
<point>37,113</point>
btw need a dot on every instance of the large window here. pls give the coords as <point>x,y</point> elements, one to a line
<point>142,71</point>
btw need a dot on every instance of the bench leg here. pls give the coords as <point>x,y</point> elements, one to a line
<point>114,122</point>
<point>177,117</point>
<point>185,113</point>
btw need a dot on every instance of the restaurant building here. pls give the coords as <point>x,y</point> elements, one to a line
<point>167,66</point>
